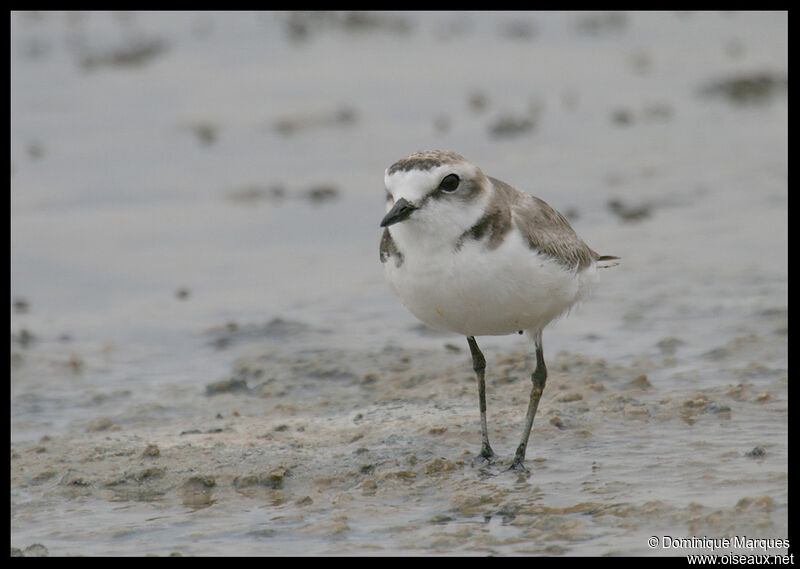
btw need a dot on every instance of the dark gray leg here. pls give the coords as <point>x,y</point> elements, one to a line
<point>538,379</point>
<point>479,365</point>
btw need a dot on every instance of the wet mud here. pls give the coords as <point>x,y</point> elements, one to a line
<point>375,453</point>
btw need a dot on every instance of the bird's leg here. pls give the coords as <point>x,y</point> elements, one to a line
<point>538,379</point>
<point>479,365</point>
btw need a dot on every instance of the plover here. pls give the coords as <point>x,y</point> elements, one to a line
<point>470,254</point>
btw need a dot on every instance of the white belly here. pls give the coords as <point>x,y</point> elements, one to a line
<point>476,291</point>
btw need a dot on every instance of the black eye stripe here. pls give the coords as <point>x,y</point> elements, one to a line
<point>449,183</point>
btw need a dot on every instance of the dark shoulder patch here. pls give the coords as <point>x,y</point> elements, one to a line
<point>388,249</point>
<point>493,225</point>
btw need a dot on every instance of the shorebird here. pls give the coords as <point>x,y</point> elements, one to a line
<point>470,254</point>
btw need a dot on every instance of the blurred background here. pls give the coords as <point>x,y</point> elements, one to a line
<point>183,183</point>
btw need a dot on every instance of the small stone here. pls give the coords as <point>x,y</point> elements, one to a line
<point>99,424</point>
<point>756,452</point>
<point>36,550</point>
<point>151,450</point>
<point>641,382</point>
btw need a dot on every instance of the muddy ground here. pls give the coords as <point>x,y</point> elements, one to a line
<point>354,452</point>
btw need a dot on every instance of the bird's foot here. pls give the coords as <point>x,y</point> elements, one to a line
<point>518,464</point>
<point>487,455</point>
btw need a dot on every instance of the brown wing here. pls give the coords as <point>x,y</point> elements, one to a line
<point>545,229</point>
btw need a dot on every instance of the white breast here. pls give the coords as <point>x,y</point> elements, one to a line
<point>477,291</point>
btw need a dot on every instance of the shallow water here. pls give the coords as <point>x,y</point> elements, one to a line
<point>194,271</point>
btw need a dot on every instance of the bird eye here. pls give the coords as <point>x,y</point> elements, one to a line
<point>449,183</point>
